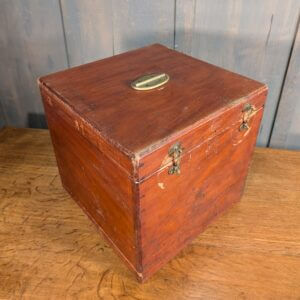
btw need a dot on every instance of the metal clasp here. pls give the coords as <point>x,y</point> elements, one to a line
<point>249,111</point>
<point>150,81</point>
<point>175,153</point>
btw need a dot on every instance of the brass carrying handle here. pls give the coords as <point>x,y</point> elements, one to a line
<point>150,81</point>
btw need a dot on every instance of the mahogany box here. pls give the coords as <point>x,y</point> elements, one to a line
<point>153,145</point>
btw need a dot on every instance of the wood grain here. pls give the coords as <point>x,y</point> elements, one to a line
<point>101,95</point>
<point>253,38</point>
<point>286,131</point>
<point>244,36</point>
<point>202,107</point>
<point>101,188</point>
<point>88,29</point>
<point>50,250</point>
<point>185,25</point>
<point>137,23</point>
<point>175,210</point>
<point>31,44</point>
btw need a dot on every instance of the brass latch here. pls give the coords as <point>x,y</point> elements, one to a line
<point>150,81</point>
<point>175,153</point>
<point>249,111</point>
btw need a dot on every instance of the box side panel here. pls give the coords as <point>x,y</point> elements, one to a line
<point>86,129</point>
<point>176,208</point>
<point>103,190</point>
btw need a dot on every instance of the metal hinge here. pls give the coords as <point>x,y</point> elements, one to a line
<point>175,153</point>
<point>249,111</point>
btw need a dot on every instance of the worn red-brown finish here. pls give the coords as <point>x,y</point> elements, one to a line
<point>111,143</point>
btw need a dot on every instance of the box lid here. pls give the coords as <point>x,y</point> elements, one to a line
<point>136,121</point>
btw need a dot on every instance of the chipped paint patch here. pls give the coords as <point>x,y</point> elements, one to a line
<point>161,185</point>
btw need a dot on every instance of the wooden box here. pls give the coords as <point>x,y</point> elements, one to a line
<point>152,159</point>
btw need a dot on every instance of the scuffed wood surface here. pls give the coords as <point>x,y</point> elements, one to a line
<point>88,30</point>
<point>49,249</point>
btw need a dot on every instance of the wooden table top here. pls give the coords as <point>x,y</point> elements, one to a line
<point>50,250</point>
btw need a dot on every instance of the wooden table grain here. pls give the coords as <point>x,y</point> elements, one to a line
<point>50,250</point>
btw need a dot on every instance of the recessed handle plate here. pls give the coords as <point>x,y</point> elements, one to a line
<point>150,81</point>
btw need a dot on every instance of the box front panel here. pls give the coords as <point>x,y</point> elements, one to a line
<point>219,122</point>
<point>101,189</point>
<point>176,208</point>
